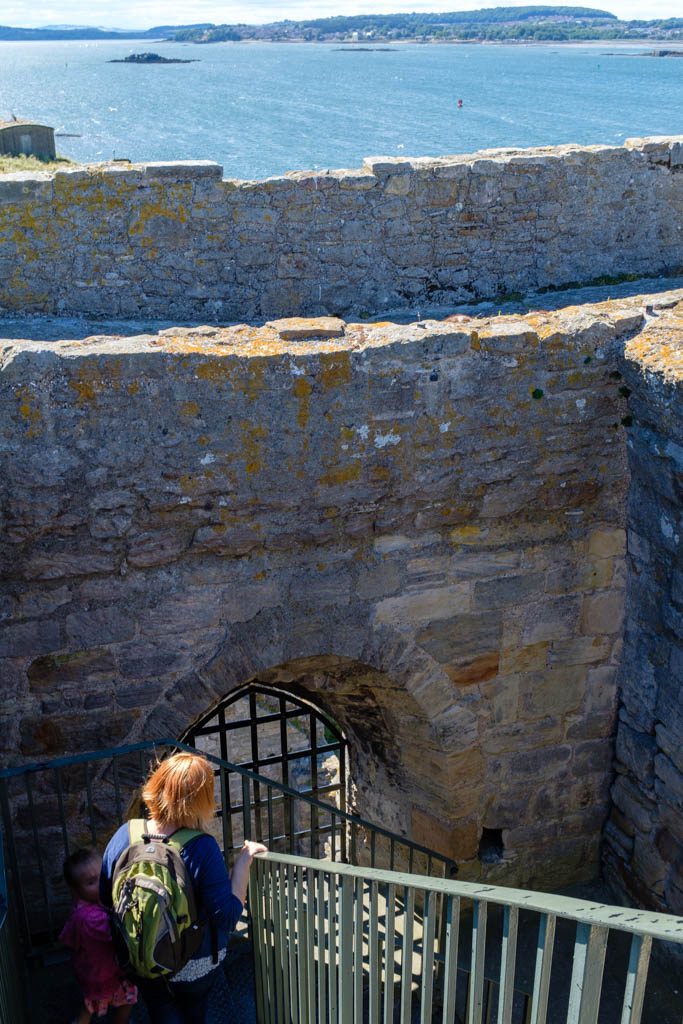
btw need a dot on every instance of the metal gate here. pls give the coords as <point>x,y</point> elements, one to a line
<point>291,741</point>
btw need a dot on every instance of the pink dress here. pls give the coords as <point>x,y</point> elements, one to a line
<point>88,936</point>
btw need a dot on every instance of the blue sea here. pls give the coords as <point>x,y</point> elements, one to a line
<point>263,109</point>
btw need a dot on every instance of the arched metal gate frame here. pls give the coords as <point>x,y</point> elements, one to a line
<point>282,737</point>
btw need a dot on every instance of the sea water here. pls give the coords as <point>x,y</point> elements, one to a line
<point>261,109</point>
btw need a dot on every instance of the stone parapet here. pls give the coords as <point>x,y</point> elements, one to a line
<point>175,241</point>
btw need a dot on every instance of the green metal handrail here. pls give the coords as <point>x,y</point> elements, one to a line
<point>357,945</point>
<point>50,807</point>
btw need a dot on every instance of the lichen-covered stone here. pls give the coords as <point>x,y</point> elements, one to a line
<point>174,240</point>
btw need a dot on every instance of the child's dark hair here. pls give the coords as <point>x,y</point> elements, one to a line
<point>74,862</point>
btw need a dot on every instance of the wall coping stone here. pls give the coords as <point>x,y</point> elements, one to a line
<point>659,149</point>
<point>608,322</point>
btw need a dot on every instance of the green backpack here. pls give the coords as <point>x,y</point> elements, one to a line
<point>155,922</point>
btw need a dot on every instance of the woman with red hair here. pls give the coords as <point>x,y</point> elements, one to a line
<point>179,794</point>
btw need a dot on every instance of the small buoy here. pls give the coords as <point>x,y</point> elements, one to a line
<point>459,103</point>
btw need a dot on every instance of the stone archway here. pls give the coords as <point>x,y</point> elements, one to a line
<point>407,727</point>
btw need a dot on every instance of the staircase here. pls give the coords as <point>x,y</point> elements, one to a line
<point>348,923</point>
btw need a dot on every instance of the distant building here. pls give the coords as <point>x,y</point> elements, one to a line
<point>27,138</point>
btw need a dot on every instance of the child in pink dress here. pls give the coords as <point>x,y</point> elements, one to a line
<point>88,936</point>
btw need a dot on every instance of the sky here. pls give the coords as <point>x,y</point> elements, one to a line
<point>147,13</point>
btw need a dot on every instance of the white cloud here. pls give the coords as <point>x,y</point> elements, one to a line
<point>146,13</point>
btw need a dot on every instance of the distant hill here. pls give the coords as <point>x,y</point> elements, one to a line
<point>491,24</point>
<point>488,24</point>
<point>56,33</point>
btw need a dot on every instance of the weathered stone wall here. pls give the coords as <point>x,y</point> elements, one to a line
<point>644,837</point>
<point>422,527</point>
<point>174,241</point>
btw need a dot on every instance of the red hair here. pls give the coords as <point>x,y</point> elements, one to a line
<point>180,791</point>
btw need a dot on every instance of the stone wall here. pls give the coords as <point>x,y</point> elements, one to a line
<point>644,837</point>
<point>422,527</point>
<point>175,241</point>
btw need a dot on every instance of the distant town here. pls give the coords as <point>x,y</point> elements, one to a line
<point>500,24</point>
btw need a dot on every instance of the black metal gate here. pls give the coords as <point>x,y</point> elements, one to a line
<point>286,739</point>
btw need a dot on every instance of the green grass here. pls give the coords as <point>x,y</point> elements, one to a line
<point>10,164</point>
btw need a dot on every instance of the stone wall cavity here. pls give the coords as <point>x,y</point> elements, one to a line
<point>644,837</point>
<point>176,242</point>
<point>421,526</point>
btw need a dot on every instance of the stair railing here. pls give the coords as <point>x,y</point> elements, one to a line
<point>343,944</point>
<point>50,808</point>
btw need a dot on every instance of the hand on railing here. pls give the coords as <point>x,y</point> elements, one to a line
<point>240,870</point>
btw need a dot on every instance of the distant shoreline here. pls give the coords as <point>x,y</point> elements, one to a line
<point>393,43</point>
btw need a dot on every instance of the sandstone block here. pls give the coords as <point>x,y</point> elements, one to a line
<point>155,548</point>
<point>196,607</point>
<point>550,619</point>
<point>552,693</point>
<point>507,590</point>
<point>26,639</point>
<point>579,651</point>
<point>306,328</point>
<point>60,734</point>
<point>606,543</point>
<point>602,613</point>
<point>422,606</point>
<point>458,841</point>
<point>56,671</point>
<point>101,626</point>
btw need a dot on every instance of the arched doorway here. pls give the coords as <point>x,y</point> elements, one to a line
<point>285,738</point>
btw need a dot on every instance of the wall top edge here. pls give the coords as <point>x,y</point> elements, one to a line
<point>598,326</point>
<point>668,149</point>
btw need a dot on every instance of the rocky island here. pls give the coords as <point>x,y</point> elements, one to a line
<point>150,58</point>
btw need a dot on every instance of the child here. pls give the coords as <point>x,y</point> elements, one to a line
<point>88,936</point>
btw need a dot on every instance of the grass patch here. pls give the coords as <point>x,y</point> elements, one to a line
<point>10,164</point>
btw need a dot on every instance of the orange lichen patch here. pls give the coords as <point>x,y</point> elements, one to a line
<point>133,387</point>
<point>252,437</point>
<point>302,389</point>
<point>467,534</point>
<point>30,412</point>
<point>85,389</point>
<point>335,370</point>
<point>189,409</point>
<point>659,349</point>
<point>341,475</point>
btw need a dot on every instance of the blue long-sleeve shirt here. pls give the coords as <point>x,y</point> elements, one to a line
<point>216,902</point>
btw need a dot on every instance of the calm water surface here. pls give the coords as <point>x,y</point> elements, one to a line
<point>263,109</point>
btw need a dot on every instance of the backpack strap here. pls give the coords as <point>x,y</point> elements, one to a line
<point>137,830</point>
<point>182,837</point>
